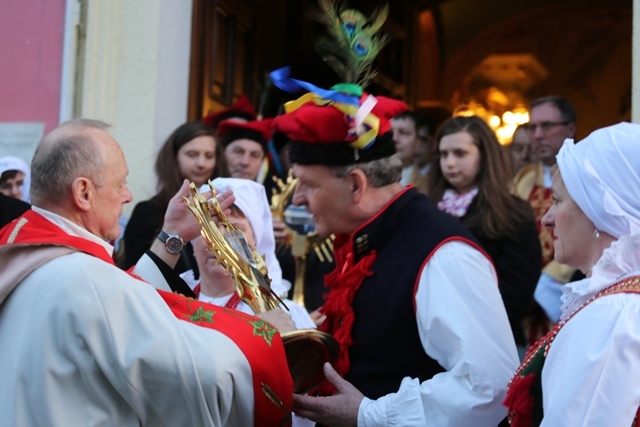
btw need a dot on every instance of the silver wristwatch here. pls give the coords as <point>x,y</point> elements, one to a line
<point>172,242</point>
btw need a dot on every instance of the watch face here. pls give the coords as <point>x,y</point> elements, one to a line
<point>174,245</point>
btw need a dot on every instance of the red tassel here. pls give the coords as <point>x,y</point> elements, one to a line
<point>343,284</point>
<point>519,401</point>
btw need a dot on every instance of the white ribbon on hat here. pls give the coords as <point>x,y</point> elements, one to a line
<point>602,175</point>
<point>251,199</point>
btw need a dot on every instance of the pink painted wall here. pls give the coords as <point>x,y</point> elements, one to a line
<point>31,39</point>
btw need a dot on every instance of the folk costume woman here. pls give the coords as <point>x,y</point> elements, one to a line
<point>586,371</point>
<point>190,152</point>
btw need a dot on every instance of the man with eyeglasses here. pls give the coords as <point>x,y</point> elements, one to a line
<point>552,120</point>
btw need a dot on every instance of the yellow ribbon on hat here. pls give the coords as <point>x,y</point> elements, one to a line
<point>371,120</point>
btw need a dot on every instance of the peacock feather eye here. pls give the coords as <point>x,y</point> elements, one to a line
<point>349,28</point>
<point>360,46</point>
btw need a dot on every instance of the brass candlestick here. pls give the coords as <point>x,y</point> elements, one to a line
<point>301,244</point>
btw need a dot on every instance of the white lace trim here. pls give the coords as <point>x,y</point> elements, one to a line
<point>621,259</point>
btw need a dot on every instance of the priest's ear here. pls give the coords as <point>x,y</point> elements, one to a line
<point>83,192</point>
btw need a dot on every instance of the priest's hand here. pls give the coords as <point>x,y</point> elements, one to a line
<point>339,410</point>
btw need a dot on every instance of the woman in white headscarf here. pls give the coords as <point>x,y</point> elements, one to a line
<point>586,371</point>
<point>251,214</point>
<point>15,178</point>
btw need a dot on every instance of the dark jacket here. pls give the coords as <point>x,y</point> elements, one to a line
<point>11,208</point>
<point>518,262</point>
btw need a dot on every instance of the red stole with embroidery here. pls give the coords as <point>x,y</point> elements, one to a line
<point>258,340</point>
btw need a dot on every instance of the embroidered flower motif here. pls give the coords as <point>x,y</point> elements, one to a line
<point>202,315</point>
<point>264,330</point>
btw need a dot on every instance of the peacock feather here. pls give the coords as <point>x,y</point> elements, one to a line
<point>354,42</point>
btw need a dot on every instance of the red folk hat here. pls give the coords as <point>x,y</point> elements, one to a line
<point>256,130</point>
<point>340,126</point>
<point>324,132</point>
<point>242,109</point>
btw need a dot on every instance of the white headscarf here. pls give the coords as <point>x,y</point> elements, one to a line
<point>251,199</point>
<point>10,163</point>
<point>602,175</point>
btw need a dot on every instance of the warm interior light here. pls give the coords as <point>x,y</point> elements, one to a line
<point>504,122</point>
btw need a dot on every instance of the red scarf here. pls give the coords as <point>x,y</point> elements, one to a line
<point>343,283</point>
<point>272,383</point>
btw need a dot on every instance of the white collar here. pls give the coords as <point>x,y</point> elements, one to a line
<point>73,229</point>
<point>617,262</point>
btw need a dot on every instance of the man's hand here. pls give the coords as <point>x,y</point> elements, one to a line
<point>178,219</point>
<point>318,316</point>
<point>278,318</point>
<point>339,410</point>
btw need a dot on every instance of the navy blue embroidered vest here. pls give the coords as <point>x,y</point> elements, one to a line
<point>387,345</point>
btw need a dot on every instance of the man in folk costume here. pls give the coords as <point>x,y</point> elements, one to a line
<point>85,343</point>
<point>243,112</point>
<point>245,146</point>
<point>413,302</point>
<point>553,119</point>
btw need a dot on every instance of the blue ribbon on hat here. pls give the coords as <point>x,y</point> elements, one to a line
<point>281,79</point>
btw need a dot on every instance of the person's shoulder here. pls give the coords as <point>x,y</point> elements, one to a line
<point>148,209</point>
<point>527,171</point>
<point>525,179</point>
<point>460,246</point>
<point>11,208</point>
<point>80,274</point>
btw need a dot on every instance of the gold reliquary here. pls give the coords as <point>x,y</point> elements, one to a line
<point>307,350</point>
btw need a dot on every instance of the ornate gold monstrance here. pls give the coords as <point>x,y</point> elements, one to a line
<point>307,350</point>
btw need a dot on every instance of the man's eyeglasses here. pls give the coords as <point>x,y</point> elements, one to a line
<point>544,126</point>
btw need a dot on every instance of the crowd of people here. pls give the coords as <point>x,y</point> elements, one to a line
<point>469,285</point>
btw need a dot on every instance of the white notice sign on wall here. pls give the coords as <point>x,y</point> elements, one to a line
<point>20,139</point>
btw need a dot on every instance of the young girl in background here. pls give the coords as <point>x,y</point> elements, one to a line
<point>191,152</point>
<point>469,179</point>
